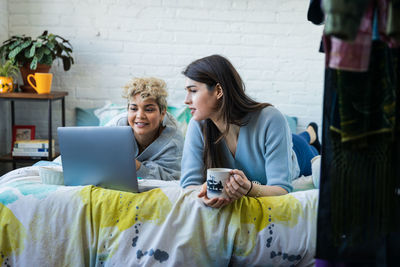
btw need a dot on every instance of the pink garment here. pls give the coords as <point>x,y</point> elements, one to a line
<point>354,56</point>
<point>351,56</point>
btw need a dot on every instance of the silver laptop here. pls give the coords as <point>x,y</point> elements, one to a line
<point>100,156</point>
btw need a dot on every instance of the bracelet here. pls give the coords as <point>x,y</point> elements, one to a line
<point>251,187</point>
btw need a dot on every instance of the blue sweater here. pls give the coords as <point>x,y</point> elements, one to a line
<point>264,151</point>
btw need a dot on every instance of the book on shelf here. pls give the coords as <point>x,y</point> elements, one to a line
<point>34,143</point>
<point>30,154</point>
<point>32,148</point>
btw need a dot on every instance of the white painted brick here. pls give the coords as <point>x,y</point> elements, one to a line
<point>23,8</point>
<point>291,17</point>
<point>122,11</point>
<point>225,15</point>
<point>158,12</point>
<point>270,5</point>
<point>270,42</point>
<point>181,3</point>
<point>40,19</point>
<point>18,20</point>
<point>265,16</point>
<point>212,4</point>
<point>60,8</point>
<point>293,6</point>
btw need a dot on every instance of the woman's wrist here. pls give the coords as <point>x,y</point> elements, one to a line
<point>250,188</point>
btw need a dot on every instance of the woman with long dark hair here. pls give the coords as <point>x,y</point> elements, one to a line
<point>229,129</point>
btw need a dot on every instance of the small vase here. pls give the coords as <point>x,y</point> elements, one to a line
<point>26,70</point>
<point>6,84</point>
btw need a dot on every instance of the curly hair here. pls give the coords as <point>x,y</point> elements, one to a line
<point>148,87</point>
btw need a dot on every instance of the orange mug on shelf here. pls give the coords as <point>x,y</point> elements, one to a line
<point>43,82</point>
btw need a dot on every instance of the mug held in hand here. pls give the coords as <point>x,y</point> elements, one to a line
<point>216,181</point>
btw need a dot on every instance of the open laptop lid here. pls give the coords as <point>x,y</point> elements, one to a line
<point>100,156</point>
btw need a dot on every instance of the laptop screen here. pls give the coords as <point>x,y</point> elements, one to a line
<point>100,156</point>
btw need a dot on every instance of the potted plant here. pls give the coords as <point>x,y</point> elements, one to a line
<point>36,55</point>
<point>7,71</point>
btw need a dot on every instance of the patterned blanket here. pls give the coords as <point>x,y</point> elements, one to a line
<point>50,225</point>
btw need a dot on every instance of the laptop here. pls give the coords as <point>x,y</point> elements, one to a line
<point>100,156</point>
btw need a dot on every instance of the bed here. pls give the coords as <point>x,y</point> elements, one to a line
<point>55,225</point>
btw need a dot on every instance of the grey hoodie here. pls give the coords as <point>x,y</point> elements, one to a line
<point>161,160</point>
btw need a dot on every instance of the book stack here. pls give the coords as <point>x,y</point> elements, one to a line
<point>32,148</point>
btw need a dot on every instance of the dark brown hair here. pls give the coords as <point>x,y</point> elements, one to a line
<point>234,105</point>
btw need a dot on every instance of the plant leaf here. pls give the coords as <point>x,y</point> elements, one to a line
<point>47,51</point>
<point>39,53</point>
<point>18,42</point>
<point>47,59</point>
<point>50,45</point>
<point>32,51</point>
<point>66,63</point>
<point>34,63</point>
<point>18,49</point>
<point>15,52</point>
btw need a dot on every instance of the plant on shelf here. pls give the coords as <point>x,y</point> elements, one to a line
<point>36,55</point>
<point>8,71</point>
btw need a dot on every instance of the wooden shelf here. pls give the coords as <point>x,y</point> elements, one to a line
<point>9,158</point>
<point>33,96</point>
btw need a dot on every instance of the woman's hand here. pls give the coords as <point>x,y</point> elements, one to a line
<point>216,202</point>
<point>138,164</point>
<point>238,185</point>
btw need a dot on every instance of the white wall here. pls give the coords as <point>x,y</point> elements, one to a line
<point>4,107</point>
<point>270,42</point>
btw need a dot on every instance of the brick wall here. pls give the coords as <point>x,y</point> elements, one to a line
<point>270,42</point>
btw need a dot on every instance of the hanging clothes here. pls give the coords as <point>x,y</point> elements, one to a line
<point>359,205</point>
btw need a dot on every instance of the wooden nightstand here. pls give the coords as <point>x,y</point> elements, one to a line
<point>49,98</point>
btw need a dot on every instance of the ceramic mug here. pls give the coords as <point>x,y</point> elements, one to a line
<point>216,182</point>
<point>43,82</point>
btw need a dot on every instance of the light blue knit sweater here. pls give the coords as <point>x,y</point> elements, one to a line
<point>264,151</point>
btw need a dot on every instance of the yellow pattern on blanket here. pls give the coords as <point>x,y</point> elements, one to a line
<point>122,209</point>
<point>254,214</point>
<point>113,212</point>
<point>12,235</point>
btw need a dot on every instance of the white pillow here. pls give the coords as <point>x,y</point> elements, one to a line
<point>109,111</point>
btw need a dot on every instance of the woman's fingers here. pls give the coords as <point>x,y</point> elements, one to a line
<point>236,185</point>
<point>216,202</point>
<point>238,172</point>
<point>232,193</point>
<point>203,190</point>
<point>210,201</point>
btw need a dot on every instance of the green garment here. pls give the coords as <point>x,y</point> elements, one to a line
<point>343,17</point>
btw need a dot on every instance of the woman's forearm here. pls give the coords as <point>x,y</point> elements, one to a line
<point>266,190</point>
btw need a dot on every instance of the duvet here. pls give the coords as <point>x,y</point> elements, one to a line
<point>50,225</point>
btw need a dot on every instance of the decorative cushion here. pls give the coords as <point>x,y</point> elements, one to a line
<point>86,117</point>
<point>109,111</point>
<point>292,121</point>
<point>101,116</point>
<point>182,115</point>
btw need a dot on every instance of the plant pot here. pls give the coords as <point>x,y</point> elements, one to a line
<point>6,84</point>
<point>26,70</point>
